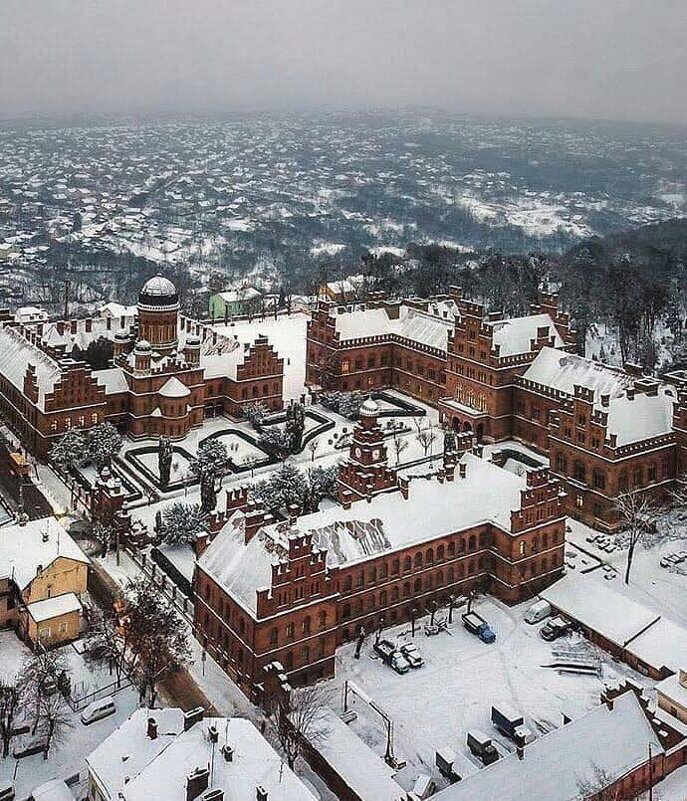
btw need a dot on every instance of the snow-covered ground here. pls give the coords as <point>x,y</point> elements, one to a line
<point>435,705</point>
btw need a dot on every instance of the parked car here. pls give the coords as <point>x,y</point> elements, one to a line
<point>411,653</point>
<point>98,710</point>
<point>555,628</point>
<point>399,663</point>
<point>538,611</point>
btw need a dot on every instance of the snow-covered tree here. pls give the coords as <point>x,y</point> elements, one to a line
<point>284,487</point>
<point>104,443</point>
<point>182,521</point>
<point>255,412</point>
<point>104,643</point>
<point>276,441</point>
<point>71,450</point>
<point>210,459</point>
<point>399,444</point>
<point>155,636</point>
<point>44,675</point>
<point>350,403</point>
<point>321,482</point>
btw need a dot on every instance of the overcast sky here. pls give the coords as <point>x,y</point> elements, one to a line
<point>621,59</point>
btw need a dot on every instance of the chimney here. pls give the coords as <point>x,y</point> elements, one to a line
<point>192,717</point>
<point>213,734</point>
<point>520,751</point>
<point>683,677</point>
<point>261,794</point>
<point>463,468</point>
<point>403,487</point>
<point>152,728</point>
<point>228,753</point>
<point>605,400</point>
<point>197,782</point>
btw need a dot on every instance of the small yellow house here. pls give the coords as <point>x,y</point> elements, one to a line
<point>43,575</point>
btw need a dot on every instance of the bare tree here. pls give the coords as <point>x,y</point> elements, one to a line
<point>10,700</point>
<point>312,447</point>
<point>637,515</point>
<point>300,718</point>
<point>42,675</point>
<point>425,435</point>
<point>104,643</point>
<point>399,444</point>
<point>55,716</point>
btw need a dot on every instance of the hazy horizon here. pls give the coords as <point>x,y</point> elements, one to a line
<point>619,60</point>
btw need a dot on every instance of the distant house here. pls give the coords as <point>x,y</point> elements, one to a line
<point>166,754</point>
<point>341,291</point>
<point>30,314</point>
<point>234,302</point>
<point>43,574</point>
<point>671,694</point>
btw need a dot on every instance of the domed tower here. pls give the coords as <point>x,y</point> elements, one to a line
<point>158,311</point>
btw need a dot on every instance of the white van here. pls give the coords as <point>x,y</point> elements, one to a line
<point>98,710</point>
<point>538,611</point>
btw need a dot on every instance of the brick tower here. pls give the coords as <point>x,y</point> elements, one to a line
<point>365,472</point>
<point>158,310</point>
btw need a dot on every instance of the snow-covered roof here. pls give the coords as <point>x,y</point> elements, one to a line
<point>24,548</point>
<point>173,388</point>
<point>563,371</point>
<point>672,689</point>
<point>158,286</point>
<point>387,523</point>
<point>113,309</point>
<point>643,417</point>
<point>16,353</point>
<point>129,750</point>
<point>426,328</point>
<point>158,769</point>
<point>239,295</point>
<point>365,773</point>
<point>50,608</point>
<point>514,335</point>
<point>55,790</point>
<point>113,379</point>
<point>615,616</point>
<point>553,766</point>
<point>664,644</point>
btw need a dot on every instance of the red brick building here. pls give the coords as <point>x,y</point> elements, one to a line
<point>605,430</point>
<point>294,591</point>
<point>168,373</point>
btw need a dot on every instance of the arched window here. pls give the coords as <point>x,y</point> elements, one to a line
<point>406,589</point>
<point>418,559</point>
<point>451,548</point>
<point>418,585</point>
<point>429,556</point>
<point>407,564</point>
<point>472,542</point>
<point>440,553</point>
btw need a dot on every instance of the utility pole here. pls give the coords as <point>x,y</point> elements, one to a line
<point>67,285</point>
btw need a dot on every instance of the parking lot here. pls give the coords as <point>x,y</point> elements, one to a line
<point>435,705</point>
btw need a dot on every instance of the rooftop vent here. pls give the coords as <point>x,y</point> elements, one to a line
<point>196,782</point>
<point>261,794</point>
<point>192,717</point>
